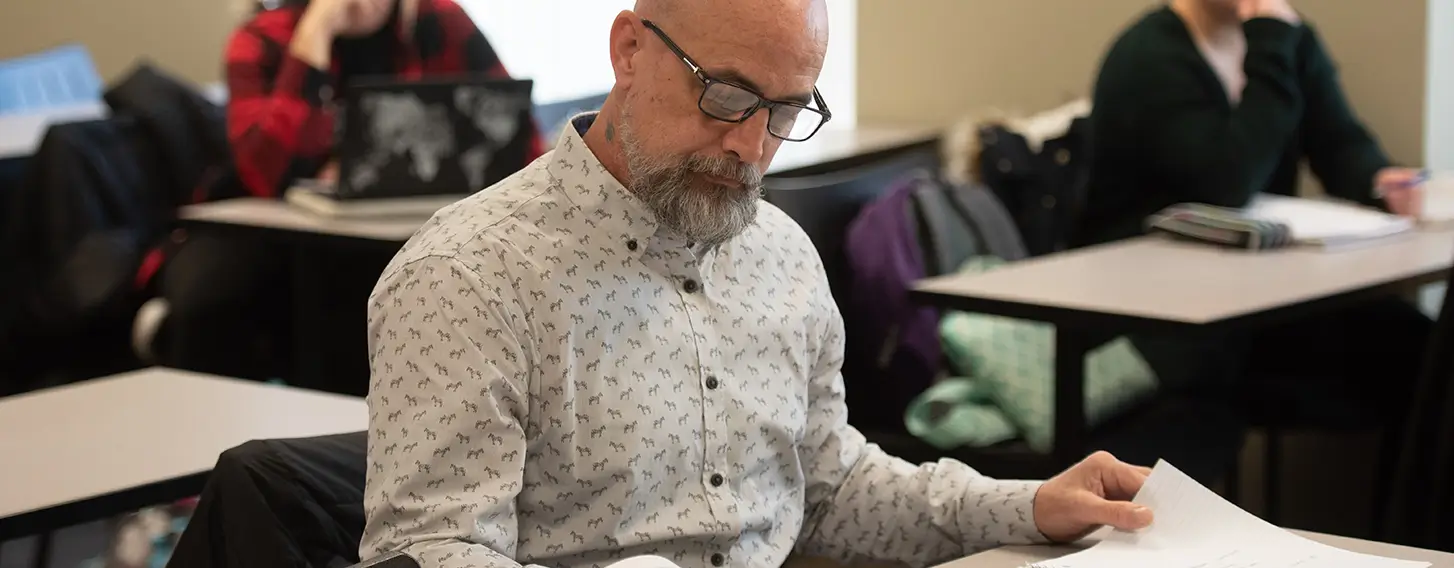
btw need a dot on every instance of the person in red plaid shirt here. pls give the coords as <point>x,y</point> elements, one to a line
<point>227,294</point>
<point>284,67</point>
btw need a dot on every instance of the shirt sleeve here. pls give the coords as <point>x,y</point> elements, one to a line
<point>1340,150</point>
<point>1206,150</point>
<point>449,392</point>
<point>274,111</point>
<point>863,504</point>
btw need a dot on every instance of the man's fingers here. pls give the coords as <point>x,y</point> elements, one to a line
<point>1122,481</point>
<point>1122,515</point>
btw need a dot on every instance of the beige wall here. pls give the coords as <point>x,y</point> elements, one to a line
<point>185,37</point>
<point>937,60</point>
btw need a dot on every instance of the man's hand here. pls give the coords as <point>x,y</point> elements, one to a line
<point>1095,492</point>
<point>1401,191</point>
<point>1279,9</point>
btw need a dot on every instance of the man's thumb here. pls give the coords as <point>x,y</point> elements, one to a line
<point>1123,515</point>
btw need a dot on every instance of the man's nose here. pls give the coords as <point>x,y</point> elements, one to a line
<point>746,139</point>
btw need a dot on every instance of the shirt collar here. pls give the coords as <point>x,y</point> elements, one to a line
<point>601,200</point>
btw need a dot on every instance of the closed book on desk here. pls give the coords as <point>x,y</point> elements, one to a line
<point>321,199</point>
<point>1277,221</point>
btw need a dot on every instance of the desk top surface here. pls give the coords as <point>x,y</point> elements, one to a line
<point>830,145</point>
<point>1018,556</point>
<point>1158,278</point>
<point>113,434</point>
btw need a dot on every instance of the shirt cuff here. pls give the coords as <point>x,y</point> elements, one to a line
<point>305,81</point>
<point>1013,507</point>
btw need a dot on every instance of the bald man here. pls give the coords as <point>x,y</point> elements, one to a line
<point>621,351</point>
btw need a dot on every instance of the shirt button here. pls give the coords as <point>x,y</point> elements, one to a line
<point>631,245</point>
<point>712,383</point>
<point>718,559</point>
<point>718,480</point>
<point>690,286</point>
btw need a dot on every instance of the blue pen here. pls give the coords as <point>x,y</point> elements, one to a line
<point>1418,179</point>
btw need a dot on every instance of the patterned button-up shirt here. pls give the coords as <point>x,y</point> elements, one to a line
<point>560,381</point>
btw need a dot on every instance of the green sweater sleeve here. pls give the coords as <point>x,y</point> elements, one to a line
<point>1207,150</point>
<point>1340,151</point>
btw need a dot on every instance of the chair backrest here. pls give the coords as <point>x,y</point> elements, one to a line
<point>825,204</point>
<point>57,77</point>
<point>280,502</point>
<point>1420,508</point>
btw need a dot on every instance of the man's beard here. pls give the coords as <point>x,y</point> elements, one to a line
<point>696,209</point>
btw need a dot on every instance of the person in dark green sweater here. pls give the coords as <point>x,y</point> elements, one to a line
<point>1214,101</point>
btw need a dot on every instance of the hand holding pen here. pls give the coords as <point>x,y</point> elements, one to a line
<point>1401,190</point>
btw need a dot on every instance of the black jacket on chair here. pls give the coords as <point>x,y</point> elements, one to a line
<point>95,201</point>
<point>287,503</point>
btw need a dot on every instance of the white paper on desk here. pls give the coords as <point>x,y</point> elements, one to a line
<point>1317,221</point>
<point>1438,198</point>
<point>1196,528</point>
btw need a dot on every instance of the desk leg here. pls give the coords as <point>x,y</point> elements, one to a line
<point>1071,346</point>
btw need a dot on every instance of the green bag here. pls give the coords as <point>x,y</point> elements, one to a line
<point>1012,362</point>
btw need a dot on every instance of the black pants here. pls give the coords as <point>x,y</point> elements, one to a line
<point>1362,360</point>
<point>229,306</point>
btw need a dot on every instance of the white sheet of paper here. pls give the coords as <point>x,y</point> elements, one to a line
<point>643,561</point>
<point>1196,528</point>
<point>1439,198</point>
<point>1321,221</point>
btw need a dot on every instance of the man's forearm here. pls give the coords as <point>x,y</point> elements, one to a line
<point>888,509</point>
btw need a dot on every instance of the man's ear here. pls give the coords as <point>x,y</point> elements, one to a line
<point>625,44</point>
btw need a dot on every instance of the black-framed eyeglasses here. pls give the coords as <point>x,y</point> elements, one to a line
<point>730,102</point>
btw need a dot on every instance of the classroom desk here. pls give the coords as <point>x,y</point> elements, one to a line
<point>108,446</point>
<point>829,148</point>
<point>1158,285</point>
<point>1018,556</point>
<point>324,357</point>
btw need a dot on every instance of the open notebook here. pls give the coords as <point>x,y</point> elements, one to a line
<point>1196,528</point>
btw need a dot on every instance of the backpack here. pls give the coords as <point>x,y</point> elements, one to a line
<point>920,228</point>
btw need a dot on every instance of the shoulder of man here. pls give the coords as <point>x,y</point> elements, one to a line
<point>481,231</point>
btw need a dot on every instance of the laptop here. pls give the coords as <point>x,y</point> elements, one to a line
<point>412,147</point>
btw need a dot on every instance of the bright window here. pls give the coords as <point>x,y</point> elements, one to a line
<point>561,45</point>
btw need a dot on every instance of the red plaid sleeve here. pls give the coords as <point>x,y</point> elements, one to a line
<point>275,114</point>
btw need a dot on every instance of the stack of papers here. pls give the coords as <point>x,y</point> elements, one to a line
<point>1196,528</point>
<point>1327,223</point>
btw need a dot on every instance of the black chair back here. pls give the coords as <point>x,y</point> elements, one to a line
<point>282,502</point>
<point>824,204</point>
<point>1420,508</point>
